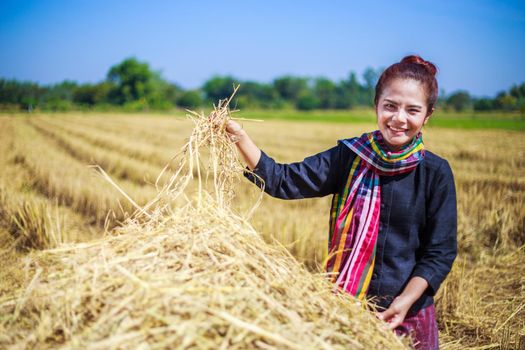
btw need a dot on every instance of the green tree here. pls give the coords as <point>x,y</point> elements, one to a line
<point>172,92</point>
<point>348,92</point>
<point>517,91</point>
<point>506,102</point>
<point>24,94</point>
<point>483,104</point>
<point>59,97</point>
<point>92,94</point>
<point>253,94</point>
<point>190,99</point>
<point>160,89</point>
<point>370,76</point>
<point>132,81</point>
<point>307,101</point>
<point>218,88</point>
<point>326,92</point>
<point>521,106</point>
<point>442,99</point>
<point>290,88</point>
<point>459,100</point>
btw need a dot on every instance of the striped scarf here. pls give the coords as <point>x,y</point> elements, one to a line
<point>354,218</point>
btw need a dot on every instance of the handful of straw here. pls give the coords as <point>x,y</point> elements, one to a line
<point>194,275</point>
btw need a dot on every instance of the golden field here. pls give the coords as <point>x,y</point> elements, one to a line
<point>49,195</point>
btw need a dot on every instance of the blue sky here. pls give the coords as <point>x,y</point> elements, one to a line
<point>477,45</point>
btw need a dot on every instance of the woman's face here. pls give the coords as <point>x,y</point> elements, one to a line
<point>401,112</point>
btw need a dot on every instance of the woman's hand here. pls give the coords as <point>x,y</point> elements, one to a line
<point>249,151</point>
<point>398,309</point>
<point>234,130</point>
<point>396,312</point>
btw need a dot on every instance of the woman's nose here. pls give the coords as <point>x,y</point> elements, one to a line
<point>400,115</point>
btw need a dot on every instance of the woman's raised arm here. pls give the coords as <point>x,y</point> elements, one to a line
<point>315,176</point>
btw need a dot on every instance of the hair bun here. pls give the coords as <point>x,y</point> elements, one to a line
<point>430,67</point>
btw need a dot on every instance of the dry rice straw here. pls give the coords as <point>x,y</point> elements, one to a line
<point>185,271</point>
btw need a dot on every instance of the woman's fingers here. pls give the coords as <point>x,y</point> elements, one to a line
<point>234,130</point>
<point>392,316</point>
<point>394,322</point>
<point>233,127</point>
<point>387,314</point>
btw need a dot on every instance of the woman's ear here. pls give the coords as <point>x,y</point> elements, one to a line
<point>428,115</point>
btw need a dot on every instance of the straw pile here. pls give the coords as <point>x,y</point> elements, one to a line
<point>194,275</point>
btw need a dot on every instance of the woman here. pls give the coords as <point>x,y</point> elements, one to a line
<point>393,219</point>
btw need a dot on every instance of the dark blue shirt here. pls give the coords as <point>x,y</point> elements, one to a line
<point>418,217</point>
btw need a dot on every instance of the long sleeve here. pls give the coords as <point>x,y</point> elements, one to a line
<point>438,248</point>
<point>315,176</point>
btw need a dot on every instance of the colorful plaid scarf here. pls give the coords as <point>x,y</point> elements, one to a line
<point>354,218</point>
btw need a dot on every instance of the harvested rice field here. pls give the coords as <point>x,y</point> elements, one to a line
<point>200,269</point>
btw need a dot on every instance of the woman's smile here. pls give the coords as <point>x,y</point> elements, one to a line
<point>397,130</point>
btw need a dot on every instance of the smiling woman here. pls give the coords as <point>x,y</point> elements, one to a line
<point>393,219</point>
<point>401,113</point>
<point>405,97</point>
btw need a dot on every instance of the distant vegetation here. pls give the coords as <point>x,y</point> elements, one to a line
<point>132,85</point>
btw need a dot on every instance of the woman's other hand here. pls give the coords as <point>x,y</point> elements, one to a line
<point>398,309</point>
<point>396,312</point>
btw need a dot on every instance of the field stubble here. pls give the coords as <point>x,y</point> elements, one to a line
<point>47,189</point>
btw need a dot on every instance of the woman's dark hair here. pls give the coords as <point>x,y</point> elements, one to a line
<point>415,68</point>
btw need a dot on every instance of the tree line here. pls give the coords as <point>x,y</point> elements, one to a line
<point>133,85</point>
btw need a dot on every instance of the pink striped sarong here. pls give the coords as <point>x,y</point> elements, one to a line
<point>422,329</point>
